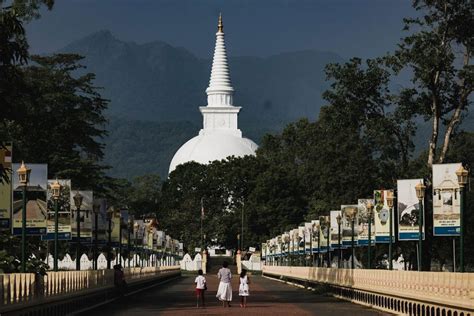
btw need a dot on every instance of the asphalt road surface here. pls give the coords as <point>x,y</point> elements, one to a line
<point>267,297</point>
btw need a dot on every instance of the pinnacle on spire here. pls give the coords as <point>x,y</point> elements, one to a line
<point>220,25</point>
<point>220,89</point>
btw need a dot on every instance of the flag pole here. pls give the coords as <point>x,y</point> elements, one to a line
<point>202,217</point>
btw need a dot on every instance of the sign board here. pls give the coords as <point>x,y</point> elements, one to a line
<point>446,200</point>
<point>36,200</point>
<point>382,217</point>
<point>408,210</point>
<point>6,186</point>
<point>363,221</point>
<point>64,212</point>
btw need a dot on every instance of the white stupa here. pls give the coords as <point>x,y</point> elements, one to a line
<point>220,137</point>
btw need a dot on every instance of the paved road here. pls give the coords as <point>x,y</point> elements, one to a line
<point>268,297</point>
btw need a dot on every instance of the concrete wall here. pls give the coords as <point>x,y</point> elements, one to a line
<point>403,292</point>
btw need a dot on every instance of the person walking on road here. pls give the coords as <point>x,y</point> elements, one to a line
<point>224,292</point>
<point>244,288</point>
<point>201,287</point>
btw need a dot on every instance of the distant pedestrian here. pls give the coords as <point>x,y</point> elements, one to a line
<point>201,287</point>
<point>244,288</point>
<point>119,279</point>
<point>224,292</point>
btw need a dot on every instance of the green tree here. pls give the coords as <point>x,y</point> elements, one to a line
<point>13,54</point>
<point>59,120</point>
<point>438,55</point>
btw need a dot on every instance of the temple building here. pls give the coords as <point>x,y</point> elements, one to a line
<point>220,136</point>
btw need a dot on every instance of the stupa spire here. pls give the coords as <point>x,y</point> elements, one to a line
<point>220,91</point>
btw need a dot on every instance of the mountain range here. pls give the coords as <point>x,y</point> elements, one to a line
<point>155,90</point>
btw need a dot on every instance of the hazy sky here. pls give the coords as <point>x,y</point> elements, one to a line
<point>363,28</point>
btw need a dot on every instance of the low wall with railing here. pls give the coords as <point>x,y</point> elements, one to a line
<point>21,289</point>
<point>402,292</point>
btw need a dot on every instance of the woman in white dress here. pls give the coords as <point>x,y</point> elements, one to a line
<point>224,292</point>
<point>244,288</point>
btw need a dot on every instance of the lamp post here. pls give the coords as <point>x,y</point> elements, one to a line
<point>370,213</point>
<point>295,238</point>
<point>24,178</point>
<point>318,227</point>
<point>304,247</point>
<point>286,240</point>
<point>420,194</point>
<point>120,239</point>
<point>390,199</point>
<point>339,219</point>
<point>78,203</point>
<point>238,242</point>
<point>136,227</point>
<point>328,227</point>
<point>462,175</point>
<point>351,213</point>
<point>110,214</point>
<point>56,193</point>
<point>96,210</point>
<point>129,241</point>
<point>311,234</point>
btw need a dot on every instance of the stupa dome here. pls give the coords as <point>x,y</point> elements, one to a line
<point>220,137</point>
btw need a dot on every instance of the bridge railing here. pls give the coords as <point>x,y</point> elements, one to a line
<point>24,287</point>
<point>430,289</point>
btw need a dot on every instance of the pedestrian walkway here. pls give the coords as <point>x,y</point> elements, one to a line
<point>268,297</point>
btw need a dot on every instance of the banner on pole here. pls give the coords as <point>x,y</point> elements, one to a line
<point>382,217</point>
<point>6,186</point>
<point>124,226</point>
<point>446,200</point>
<point>64,212</point>
<point>408,210</point>
<point>363,221</point>
<point>36,206</point>
<point>115,236</point>
<point>308,228</point>
<point>100,208</point>
<point>323,233</point>
<point>317,228</point>
<point>138,231</point>
<point>335,232</point>
<point>346,226</point>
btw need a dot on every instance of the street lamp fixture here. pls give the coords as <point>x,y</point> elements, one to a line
<point>23,177</point>
<point>462,175</point>
<point>370,213</point>
<point>24,174</point>
<point>56,193</point>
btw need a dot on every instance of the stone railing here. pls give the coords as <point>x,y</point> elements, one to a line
<point>404,292</point>
<point>26,287</point>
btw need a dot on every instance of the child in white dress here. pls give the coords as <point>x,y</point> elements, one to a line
<point>201,287</point>
<point>244,288</point>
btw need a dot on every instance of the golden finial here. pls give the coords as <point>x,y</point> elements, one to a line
<point>220,25</point>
